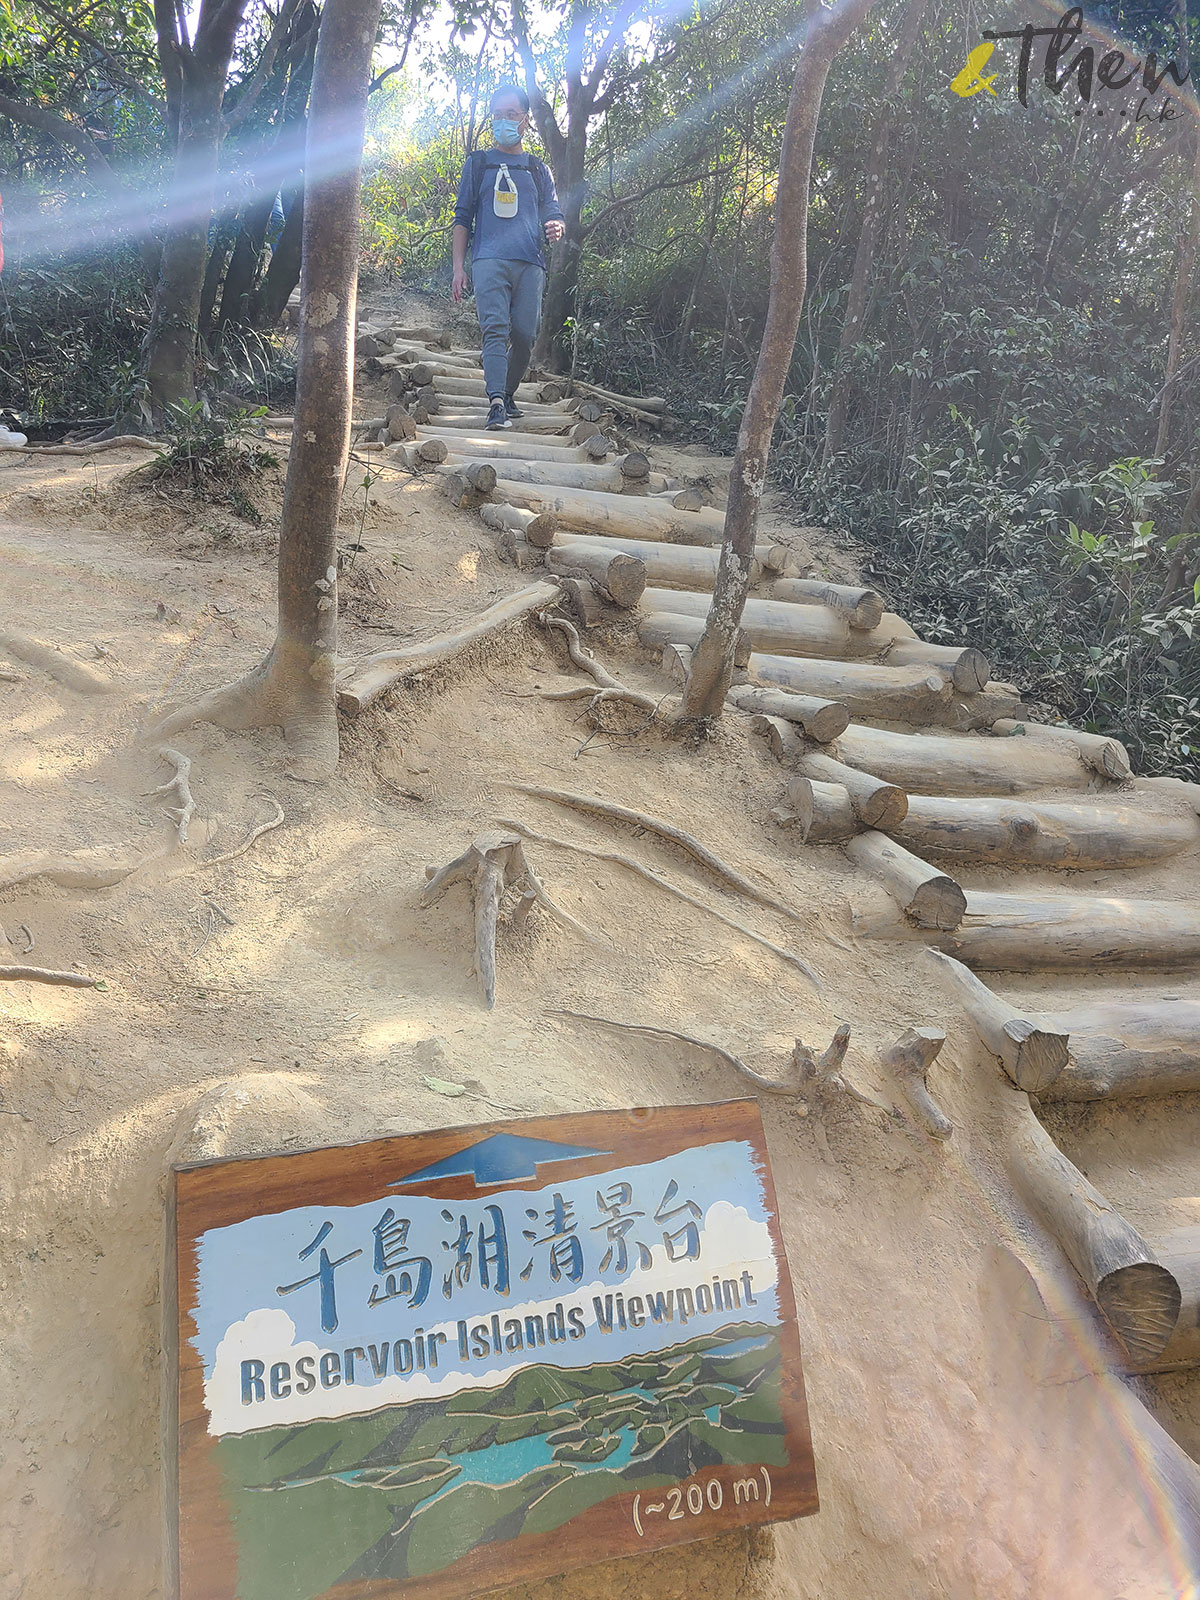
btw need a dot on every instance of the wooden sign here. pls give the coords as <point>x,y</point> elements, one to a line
<point>437,1364</point>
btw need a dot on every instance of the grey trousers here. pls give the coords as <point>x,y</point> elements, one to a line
<point>508,302</point>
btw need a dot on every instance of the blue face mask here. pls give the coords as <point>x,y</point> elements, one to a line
<point>505,130</point>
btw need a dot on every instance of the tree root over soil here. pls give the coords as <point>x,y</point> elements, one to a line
<point>610,688</point>
<point>665,830</point>
<point>494,863</point>
<point>68,872</point>
<point>69,980</point>
<point>251,838</point>
<point>181,815</point>
<point>63,668</point>
<point>651,876</point>
<point>816,1083</point>
<point>122,441</point>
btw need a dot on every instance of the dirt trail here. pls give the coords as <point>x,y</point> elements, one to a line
<point>298,995</point>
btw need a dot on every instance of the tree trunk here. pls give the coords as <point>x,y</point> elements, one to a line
<point>864,255</point>
<point>562,283</point>
<point>712,663</point>
<point>198,75</point>
<point>294,687</point>
<point>283,272</point>
<point>244,264</point>
<point>1179,299</point>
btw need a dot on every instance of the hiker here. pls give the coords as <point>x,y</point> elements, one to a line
<point>506,199</point>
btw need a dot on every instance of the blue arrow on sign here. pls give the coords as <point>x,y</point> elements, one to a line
<point>501,1158</point>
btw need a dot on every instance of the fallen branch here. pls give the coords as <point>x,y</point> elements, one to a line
<point>178,786</point>
<point>251,838</point>
<point>664,830</point>
<point>651,876</point>
<point>361,682</point>
<point>69,980</point>
<point>495,862</point>
<point>909,1060</point>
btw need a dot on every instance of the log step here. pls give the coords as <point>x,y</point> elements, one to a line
<point>589,511</point>
<point>677,566</point>
<point>1028,932</point>
<point>1045,835</point>
<point>818,630</point>
<point>885,694</point>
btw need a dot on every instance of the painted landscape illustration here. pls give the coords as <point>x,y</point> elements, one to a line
<point>404,1492</point>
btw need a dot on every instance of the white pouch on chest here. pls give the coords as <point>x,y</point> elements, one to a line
<point>504,193</point>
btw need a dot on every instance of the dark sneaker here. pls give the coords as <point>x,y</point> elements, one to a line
<point>511,408</point>
<point>497,416</point>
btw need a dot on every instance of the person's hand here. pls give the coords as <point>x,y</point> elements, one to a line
<point>554,231</point>
<point>458,284</point>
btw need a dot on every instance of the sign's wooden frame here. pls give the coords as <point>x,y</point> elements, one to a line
<point>201,1553</point>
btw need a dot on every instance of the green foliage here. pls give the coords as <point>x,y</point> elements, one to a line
<point>70,332</point>
<point>212,459</point>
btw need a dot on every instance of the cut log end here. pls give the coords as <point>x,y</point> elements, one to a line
<point>972,672</point>
<point>1141,1304</point>
<point>1039,1057</point>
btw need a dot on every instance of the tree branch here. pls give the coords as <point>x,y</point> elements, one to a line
<point>66,133</point>
<point>641,194</point>
<point>547,125</point>
<point>249,93</point>
<point>614,37</point>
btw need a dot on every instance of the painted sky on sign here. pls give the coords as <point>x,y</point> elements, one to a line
<point>240,1314</point>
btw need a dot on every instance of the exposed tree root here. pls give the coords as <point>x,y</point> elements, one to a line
<point>651,876</point>
<point>361,682</point>
<point>124,441</point>
<point>494,863</point>
<point>610,688</point>
<point>69,980</point>
<point>181,815</point>
<point>908,1060</point>
<point>65,669</point>
<point>726,1056</point>
<point>251,838</point>
<point>826,1089</point>
<point>664,830</point>
<point>68,872</point>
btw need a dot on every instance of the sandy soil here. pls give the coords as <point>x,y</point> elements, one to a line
<point>968,1440</point>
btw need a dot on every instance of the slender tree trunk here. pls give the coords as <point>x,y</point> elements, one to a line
<point>864,255</point>
<point>283,274</point>
<point>217,257</point>
<point>246,259</point>
<point>551,349</point>
<point>196,77</point>
<point>1183,280</point>
<point>712,662</point>
<point>283,271</point>
<point>294,687</point>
